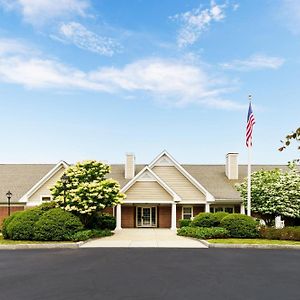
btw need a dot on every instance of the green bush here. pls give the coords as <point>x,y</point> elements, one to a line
<point>6,222</point>
<point>220,215</point>
<point>205,220</point>
<point>286,233</point>
<point>102,221</point>
<point>184,222</point>
<point>56,225</point>
<point>240,226</point>
<point>21,226</point>
<point>203,232</point>
<point>90,233</point>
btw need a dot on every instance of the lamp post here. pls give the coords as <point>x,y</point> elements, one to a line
<point>8,195</point>
<point>64,179</point>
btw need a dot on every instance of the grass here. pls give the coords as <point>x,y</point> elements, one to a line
<point>12,242</point>
<point>253,241</point>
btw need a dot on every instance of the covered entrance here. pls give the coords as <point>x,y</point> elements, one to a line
<point>146,216</point>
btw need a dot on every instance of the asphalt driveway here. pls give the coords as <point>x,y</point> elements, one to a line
<point>150,273</point>
<point>149,237</point>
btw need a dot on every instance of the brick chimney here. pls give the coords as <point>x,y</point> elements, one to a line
<point>232,167</point>
<point>130,166</point>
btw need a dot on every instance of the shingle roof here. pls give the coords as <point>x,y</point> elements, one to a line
<point>212,177</point>
<point>19,178</point>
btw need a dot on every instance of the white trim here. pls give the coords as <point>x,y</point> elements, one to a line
<point>51,173</point>
<point>158,179</point>
<point>192,210</point>
<point>173,216</point>
<point>223,207</point>
<point>209,196</point>
<point>119,217</point>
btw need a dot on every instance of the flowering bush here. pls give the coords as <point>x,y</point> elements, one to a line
<point>87,190</point>
<point>274,193</point>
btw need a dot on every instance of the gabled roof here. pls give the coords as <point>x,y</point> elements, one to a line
<point>155,177</point>
<point>43,180</point>
<point>184,172</point>
<point>19,178</point>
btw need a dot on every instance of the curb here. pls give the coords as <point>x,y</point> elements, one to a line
<point>42,246</point>
<point>250,246</point>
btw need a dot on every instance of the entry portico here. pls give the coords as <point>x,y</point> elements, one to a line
<point>161,194</point>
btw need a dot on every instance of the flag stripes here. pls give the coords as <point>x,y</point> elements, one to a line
<point>249,127</point>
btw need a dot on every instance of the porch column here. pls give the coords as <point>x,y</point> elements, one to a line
<point>243,209</point>
<point>207,207</point>
<point>173,217</point>
<point>118,219</point>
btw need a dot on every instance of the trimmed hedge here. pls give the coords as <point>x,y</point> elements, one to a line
<point>20,226</point>
<point>101,221</point>
<point>184,222</point>
<point>56,225</point>
<point>205,220</point>
<point>89,234</point>
<point>6,222</point>
<point>286,233</point>
<point>240,226</point>
<point>220,215</point>
<point>203,232</point>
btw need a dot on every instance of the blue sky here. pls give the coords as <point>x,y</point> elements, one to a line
<point>86,79</point>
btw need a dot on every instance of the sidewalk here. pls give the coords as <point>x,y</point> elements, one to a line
<point>152,238</point>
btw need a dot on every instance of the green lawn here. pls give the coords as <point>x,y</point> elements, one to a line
<point>11,242</point>
<point>253,241</point>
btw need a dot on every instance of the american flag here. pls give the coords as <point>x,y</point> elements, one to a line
<point>249,128</point>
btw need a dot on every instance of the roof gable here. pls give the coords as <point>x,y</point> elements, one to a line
<point>43,180</point>
<point>165,159</point>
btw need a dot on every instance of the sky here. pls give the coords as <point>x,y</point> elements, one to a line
<point>83,79</point>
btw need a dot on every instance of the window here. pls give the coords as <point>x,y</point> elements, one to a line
<point>187,212</point>
<point>228,209</point>
<point>46,198</point>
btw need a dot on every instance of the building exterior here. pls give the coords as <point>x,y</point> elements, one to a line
<point>158,194</point>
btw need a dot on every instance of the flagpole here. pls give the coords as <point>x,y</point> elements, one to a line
<point>249,173</point>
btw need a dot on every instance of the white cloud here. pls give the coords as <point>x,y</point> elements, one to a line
<point>38,12</point>
<point>172,82</point>
<point>196,21</point>
<point>289,11</point>
<point>255,62</point>
<point>81,37</point>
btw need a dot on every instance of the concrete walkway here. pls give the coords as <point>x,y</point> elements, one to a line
<point>152,238</point>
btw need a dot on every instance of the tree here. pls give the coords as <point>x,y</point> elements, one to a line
<point>273,193</point>
<point>289,138</point>
<point>88,190</point>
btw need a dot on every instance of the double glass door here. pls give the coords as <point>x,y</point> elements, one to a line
<point>146,216</point>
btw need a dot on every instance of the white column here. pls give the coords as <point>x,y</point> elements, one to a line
<point>242,209</point>
<point>173,217</point>
<point>118,220</point>
<point>207,207</point>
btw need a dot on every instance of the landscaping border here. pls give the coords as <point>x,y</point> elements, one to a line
<point>249,246</point>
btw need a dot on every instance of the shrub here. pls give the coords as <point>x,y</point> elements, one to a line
<point>57,225</point>
<point>203,233</point>
<point>205,220</point>
<point>6,222</point>
<point>240,226</point>
<point>286,233</point>
<point>102,221</point>
<point>184,223</point>
<point>220,215</point>
<point>89,233</point>
<point>21,226</point>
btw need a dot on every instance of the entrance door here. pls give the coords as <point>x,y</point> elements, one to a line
<point>146,216</point>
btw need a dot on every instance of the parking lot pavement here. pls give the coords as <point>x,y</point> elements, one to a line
<point>149,273</point>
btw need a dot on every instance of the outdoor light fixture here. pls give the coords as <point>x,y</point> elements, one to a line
<point>8,195</point>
